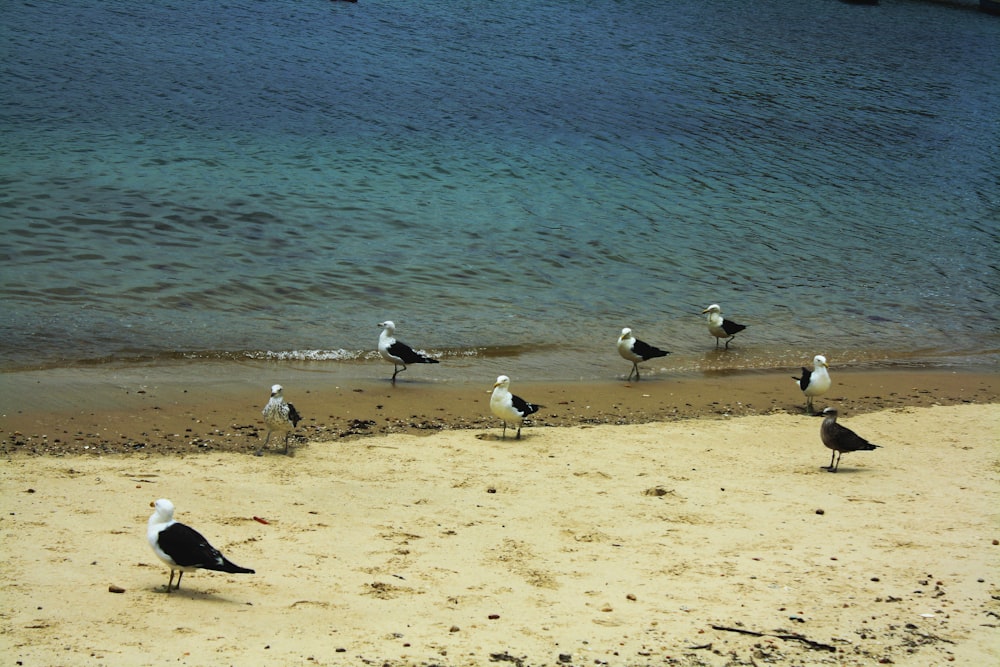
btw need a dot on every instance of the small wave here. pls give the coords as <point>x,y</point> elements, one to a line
<point>308,355</point>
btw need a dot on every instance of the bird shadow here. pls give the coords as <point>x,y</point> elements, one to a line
<point>278,452</point>
<point>492,437</point>
<point>847,469</point>
<point>411,382</point>
<point>192,594</point>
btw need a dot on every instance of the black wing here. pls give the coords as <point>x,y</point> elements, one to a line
<point>523,406</point>
<point>406,353</point>
<point>188,548</point>
<point>647,351</point>
<point>804,380</point>
<point>732,328</point>
<point>293,415</point>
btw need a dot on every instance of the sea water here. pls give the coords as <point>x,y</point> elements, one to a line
<point>271,179</point>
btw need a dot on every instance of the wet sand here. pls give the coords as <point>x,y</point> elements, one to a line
<point>175,411</point>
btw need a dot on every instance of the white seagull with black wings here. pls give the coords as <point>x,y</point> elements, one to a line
<point>720,327</point>
<point>508,407</point>
<point>634,350</point>
<point>815,382</point>
<point>183,548</point>
<point>396,352</point>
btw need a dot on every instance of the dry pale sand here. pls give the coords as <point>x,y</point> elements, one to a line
<point>645,544</point>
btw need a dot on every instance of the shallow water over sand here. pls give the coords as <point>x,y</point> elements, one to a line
<point>511,183</point>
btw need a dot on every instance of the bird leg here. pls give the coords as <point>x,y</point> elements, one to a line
<point>396,371</point>
<point>287,433</point>
<point>717,344</point>
<point>727,341</point>
<point>833,468</point>
<point>260,452</point>
<point>503,434</point>
<point>635,370</point>
<point>809,405</point>
<point>180,573</point>
<point>519,432</point>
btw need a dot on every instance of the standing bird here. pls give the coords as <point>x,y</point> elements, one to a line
<point>814,383</point>
<point>508,407</point>
<point>278,416</point>
<point>396,352</point>
<point>634,350</point>
<point>720,327</point>
<point>183,548</point>
<point>840,438</point>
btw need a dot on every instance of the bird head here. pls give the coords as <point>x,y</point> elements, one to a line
<point>388,325</point>
<point>626,334</point>
<point>820,360</point>
<point>829,412</point>
<point>714,308</point>
<point>164,509</point>
<point>502,381</point>
<point>276,390</point>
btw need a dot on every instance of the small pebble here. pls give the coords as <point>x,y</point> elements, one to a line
<point>821,512</point>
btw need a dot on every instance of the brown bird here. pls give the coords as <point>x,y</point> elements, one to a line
<point>840,438</point>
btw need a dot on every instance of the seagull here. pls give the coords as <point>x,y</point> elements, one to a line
<point>183,548</point>
<point>396,352</point>
<point>720,327</point>
<point>840,438</point>
<point>508,407</point>
<point>634,350</point>
<point>278,416</point>
<point>814,383</point>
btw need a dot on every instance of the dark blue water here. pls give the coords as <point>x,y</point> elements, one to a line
<point>271,179</point>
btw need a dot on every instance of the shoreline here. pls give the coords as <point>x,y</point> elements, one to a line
<point>164,411</point>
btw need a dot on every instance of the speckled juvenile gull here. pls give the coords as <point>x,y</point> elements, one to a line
<point>279,417</point>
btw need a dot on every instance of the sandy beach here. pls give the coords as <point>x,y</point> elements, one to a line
<point>718,540</point>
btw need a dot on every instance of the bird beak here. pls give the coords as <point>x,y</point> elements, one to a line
<point>704,311</point>
<point>496,384</point>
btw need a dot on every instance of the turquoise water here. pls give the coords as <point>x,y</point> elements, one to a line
<point>269,180</point>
